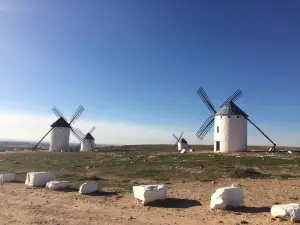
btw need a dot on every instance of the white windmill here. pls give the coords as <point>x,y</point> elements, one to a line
<point>60,134</point>
<point>230,125</point>
<point>87,140</point>
<point>182,144</point>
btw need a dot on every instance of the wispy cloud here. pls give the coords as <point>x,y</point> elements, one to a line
<point>19,126</point>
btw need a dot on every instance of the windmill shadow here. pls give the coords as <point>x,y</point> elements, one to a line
<point>176,203</point>
<point>245,209</point>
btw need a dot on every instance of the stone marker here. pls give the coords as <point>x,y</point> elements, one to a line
<point>37,179</point>
<point>55,185</point>
<point>89,187</point>
<point>287,211</point>
<point>227,196</point>
<point>5,177</point>
<point>149,193</point>
<point>183,151</point>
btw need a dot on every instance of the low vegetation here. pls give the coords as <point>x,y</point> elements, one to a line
<point>122,168</point>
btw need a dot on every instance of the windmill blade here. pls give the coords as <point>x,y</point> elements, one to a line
<point>206,126</point>
<point>209,126</point>
<point>206,100</point>
<point>42,139</point>
<point>76,135</point>
<point>76,115</point>
<point>207,121</point>
<point>274,145</point>
<point>180,136</point>
<point>233,97</point>
<point>78,132</point>
<point>176,139</point>
<point>92,130</point>
<point>58,113</point>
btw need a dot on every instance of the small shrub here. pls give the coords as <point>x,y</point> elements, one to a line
<point>92,175</point>
<point>249,172</point>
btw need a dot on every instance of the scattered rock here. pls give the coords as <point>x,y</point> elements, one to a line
<point>287,211</point>
<point>89,187</point>
<point>228,196</point>
<point>5,177</point>
<point>149,193</point>
<point>36,179</point>
<point>55,185</point>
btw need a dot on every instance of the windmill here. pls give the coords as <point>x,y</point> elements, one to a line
<point>230,124</point>
<point>87,140</point>
<point>182,143</point>
<point>60,134</point>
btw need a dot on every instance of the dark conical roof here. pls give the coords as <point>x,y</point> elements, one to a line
<point>89,136</point>
<point>60,123</point>
<point>183,141</point>
<point>230,109</point>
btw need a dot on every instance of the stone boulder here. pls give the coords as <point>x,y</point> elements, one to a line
<point>227,196</point>
<point>38,179</point>
<point>55,185</point>
<point>183,151</point>
<point>89,187</point>
<point>6,177</point>
<point>149,193</point>
<point>287,211</point>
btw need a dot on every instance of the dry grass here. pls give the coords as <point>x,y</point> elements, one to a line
<point>121,168</point>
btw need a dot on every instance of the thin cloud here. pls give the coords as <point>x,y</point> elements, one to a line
<point>31,127</point>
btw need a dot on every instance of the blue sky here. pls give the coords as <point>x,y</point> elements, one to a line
<point>140,63</point>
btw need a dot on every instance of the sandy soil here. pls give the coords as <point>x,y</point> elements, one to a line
<point>188,204</point>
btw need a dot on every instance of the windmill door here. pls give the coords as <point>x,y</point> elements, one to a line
<point>217,145</point>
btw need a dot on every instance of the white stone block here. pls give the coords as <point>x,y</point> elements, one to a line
<point>36,179</point>
<point>89,187</point>
<point>5,177</point>
<point>150,193</point>
<point>54,185</point>
<point>287,211</point>
<point>227,196</point>
<point>191,150</point>
<point>183,151</point>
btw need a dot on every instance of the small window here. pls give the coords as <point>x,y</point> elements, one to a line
<point>228,116</point>
<point>238,116</point>
<point>217,129</point>
<point>221,116</point>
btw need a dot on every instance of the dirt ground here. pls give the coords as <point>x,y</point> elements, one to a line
<point>188,204</point>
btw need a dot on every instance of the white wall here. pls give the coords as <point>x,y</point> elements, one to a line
<point>59,139</point>
<point>87,145</point>
<point>232,133</point>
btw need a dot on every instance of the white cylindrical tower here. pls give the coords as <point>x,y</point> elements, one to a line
<point>88,143</point>
<point>60,136</point>
<point>230,129</point>
<point>182,144</point>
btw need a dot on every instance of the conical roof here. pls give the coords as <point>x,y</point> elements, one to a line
<point>231,109</point>
<point>89,137</point>
<point>60,123</point>
<point>183,141</point>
